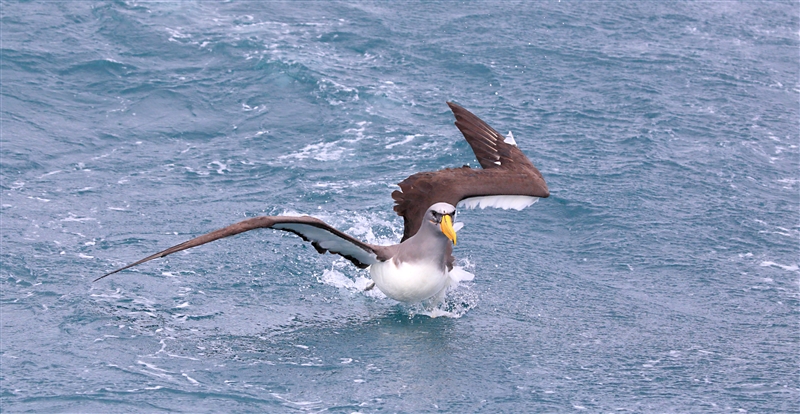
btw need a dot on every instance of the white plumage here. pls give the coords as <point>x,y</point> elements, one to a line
<point>503,201</point>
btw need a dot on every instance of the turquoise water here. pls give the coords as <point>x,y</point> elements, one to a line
<point>660,276</point>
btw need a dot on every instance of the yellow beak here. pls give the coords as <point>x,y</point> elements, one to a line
<point>447,228</point>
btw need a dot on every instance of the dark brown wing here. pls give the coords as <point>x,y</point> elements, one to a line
<point>506,172</point>
<point>322,236</point>
<point>490,147</point>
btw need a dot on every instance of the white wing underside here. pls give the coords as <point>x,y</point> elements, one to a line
<point>501,201</point>
<point>330,241</point>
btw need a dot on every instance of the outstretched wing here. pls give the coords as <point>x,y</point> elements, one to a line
<point>508,178</point>
<point>322,236</point>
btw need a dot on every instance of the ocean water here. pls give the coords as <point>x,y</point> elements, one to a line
<point>660,276</point>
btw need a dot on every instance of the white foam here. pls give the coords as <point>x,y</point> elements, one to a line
<point>294,213</point>
<point>174,35</point>
<point>257,108</point>
<point>221,168</point>
<point>323,151</point>
<point>192,170</point>
<point>336,93</point>
<point>363,229</point>
<point>303,405</point>
<point>73,218</point>
<point>155,371</point>
<point>192,380</point>
<point>408,139</point>
<point>457,302</point>
<point>335,278</point>
<point>789,183</point>
<point>50,173</point>
<point>791,268</point>
<point>116,295</point>
<point>151,366</point>
<point>437,312</point>
<point>505,202</point>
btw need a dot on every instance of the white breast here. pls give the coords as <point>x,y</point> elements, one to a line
<point>409,282</point>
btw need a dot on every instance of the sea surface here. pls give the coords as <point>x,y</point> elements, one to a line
<point>661,275</point>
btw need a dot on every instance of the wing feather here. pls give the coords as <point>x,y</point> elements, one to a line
<point>506,172</point>
<point>322,236</point>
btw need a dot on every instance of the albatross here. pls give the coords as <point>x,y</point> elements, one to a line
<point>421,267</point>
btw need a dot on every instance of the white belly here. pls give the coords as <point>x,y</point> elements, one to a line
<point>409,282</point>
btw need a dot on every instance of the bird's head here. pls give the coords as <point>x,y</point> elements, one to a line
<point>442,215</point>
